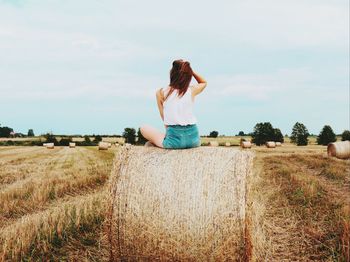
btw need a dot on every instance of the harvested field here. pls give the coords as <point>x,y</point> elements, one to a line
<point>53,204</point>
<point>299,206</point>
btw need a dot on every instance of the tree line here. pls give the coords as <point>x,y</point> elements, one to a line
<point>262,133</point>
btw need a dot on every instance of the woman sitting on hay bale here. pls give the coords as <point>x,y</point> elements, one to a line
<point>175,104</point>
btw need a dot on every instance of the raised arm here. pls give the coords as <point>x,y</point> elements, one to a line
<point>160,100</point>
<point>202,83</point>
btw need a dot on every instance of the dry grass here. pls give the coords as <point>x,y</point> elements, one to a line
<point>301,209</point>
<point>37,235</point>
<point>53,207</point>
<point>53,204</point>
<point>182,205</point>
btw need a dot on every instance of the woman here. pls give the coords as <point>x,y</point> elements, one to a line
<point>175,104</point>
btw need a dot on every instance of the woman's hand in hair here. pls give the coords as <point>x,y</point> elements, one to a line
<point>202,83</point>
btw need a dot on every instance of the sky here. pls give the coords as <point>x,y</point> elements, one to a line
<point>93,66</point>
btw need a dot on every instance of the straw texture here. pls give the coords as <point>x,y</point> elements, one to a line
<point>339,149</point>
<point>103,146</point>
<point>246,144</point>
<point>213,143</point>
<point>50,145</point>
<point>270,144</point>
<point>178,205</point>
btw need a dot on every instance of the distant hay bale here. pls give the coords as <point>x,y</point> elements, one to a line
<point>213,143</point>
<point>103,146</point>
<point>246,144</point>
<point>109,145</point>
<point>50,145</point>
<point>227,144</point>
<point>72,145</point>
<point>44,144</point>
<point>339,149</point>
<point>270,144</point>
<point>278,144</point>
<point>177,205</point>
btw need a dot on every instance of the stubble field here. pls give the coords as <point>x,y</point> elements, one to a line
<point>52,204</point>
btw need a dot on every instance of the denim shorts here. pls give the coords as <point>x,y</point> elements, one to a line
<point>178,137</point>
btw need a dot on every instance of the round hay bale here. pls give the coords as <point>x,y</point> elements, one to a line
<point>44,144</point>
<point>109,144</point>
<point>339,149</point>
<point>50,145</point>
<point>103,146</point>
<point>270,144</point>
<point>177,205</point>
<point>278,144</point>
<point>246,144</point>
<point>213,143</point>
<point>71,145</point>
<point>227,144</point>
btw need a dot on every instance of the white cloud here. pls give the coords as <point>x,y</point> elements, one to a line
<point>263,24</point>
<point>104,50</point>
<point>284,84</point>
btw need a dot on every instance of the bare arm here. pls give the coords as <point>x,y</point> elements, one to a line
<point>202,83</point>
<point>160,100</point>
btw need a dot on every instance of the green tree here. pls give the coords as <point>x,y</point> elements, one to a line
<point>278,137</point>
<point>130,135</point>
<point>299,134</point>
<point>50,138</point>
<point>214,134</point>
<point>98,138</point>
<point>30,132</point>
<point>87,139</point>
<point>326,136</point>
<point>65,141</point>
<point>5,131</point>
<point>262,133</point>
<point>141,140</point>
<point>241,133</point>
<point>345,135</point>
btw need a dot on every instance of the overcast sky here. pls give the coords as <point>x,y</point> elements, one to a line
<point>88,66</point>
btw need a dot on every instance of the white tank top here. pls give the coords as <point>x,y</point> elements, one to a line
<point>178,110</point>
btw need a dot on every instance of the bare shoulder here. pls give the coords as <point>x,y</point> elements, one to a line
<point>165,90</point>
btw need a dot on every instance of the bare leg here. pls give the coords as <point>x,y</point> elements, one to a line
<point>153,135</point>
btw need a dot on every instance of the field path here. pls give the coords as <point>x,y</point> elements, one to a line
<point>26,164</point>
<point>300,207</point>
<point>64,172</point>
<point>13,153</point>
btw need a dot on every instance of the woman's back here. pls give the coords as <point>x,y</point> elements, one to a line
<point>175,104</point>
<point>178,110</point>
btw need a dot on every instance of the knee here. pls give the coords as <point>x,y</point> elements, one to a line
<point>144,129</point>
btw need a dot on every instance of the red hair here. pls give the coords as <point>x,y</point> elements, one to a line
<point>180,77</point>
